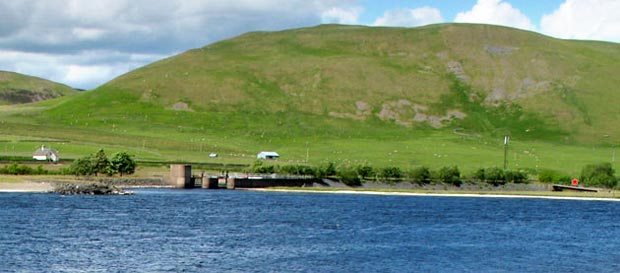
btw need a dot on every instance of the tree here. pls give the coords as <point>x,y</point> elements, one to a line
<point>122,163</point>
<point>82,166</point>
<point>495,176</point>
<point>365,171</point>
<point>598,175</point>
<point>101,164</point>
<point>421,175</point>
<point>450,175</point>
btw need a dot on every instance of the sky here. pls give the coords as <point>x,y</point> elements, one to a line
<point>85,43</point>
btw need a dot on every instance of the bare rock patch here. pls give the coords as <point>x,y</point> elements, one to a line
<point>181,106</point>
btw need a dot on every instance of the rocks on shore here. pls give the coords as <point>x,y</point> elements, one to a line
<point>88,189</point>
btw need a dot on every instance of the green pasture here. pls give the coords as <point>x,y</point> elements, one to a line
<point>188,137</point>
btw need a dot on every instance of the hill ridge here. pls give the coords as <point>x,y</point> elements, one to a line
<point>16,88</point>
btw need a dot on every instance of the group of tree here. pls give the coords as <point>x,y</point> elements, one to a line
<point>121,163</point>
<point>497,176</point>
<point>592,175</point>
<point>355,174</point>
<point>599,175</point>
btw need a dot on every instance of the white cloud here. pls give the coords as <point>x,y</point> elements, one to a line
<point>79,70</point>
<point>495,12</point>
<point>410,17</point>
<point>342,15</point>
<point>584,19</point>
<point>58,39</point>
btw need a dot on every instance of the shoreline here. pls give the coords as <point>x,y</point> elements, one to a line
<point>44,187</point>
<point>446,194</point>
<point>25,187</point>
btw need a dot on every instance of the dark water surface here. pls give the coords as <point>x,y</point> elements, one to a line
<point>165,230</point>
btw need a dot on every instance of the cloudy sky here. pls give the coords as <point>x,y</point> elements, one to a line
<point>84,43</point>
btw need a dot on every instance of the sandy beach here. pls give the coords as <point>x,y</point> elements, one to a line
<point>25,187</point>
<point>40,187</point>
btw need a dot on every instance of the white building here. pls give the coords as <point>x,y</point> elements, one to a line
<point>46,154</point>
<point>267,155</point>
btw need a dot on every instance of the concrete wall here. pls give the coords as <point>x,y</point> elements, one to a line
<point>210,183</point>
<point>181,176</point>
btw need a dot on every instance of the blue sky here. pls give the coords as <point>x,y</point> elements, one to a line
<point>534,9</point>
<point>85,43</point>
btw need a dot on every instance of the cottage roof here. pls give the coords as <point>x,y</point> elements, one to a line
<point>43,151</point>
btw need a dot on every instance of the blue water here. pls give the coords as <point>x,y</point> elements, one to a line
<point>165,230</point>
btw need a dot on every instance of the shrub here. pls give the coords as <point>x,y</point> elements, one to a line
<point>289,169</point>
<point>259,167</point>
<point>82,166</point>
<point>296,170</point>
<point>306,170</point>
<point>479,175</point>
<point>421,175</point>
<point>19,169</point>
<point>391,173</point>
<point>551,176</point>
<point>39,170</point>
<point>266,169</point>
<point>365,171</point>
<point>450,175</point>
<point>16,169</point>
<point>349,176</point>
<point>325,170</point>
<point>495,176</point>
<point>598,175</point>
<point>516,177</point>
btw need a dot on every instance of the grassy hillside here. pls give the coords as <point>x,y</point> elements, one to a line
<point>17,88</point>
<point>397,74</point>
<point>437,95</point>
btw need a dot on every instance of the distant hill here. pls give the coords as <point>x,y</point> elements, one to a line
<point>476,78</point>
<point>17,88</point>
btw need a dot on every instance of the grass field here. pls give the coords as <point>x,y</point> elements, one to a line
<point>378,145</point>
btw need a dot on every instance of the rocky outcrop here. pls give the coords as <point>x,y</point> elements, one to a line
<point>26,96</point>
<point>88,189</point>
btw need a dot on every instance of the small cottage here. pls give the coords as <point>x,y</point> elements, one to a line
<point>46,154</point>
<point>267,155</point>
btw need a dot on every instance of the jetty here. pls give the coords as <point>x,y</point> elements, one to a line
<point>573,188</point>
<point>181,177</point>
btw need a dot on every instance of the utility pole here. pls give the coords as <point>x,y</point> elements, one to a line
<point>506,140</point>
<point>307,152</point>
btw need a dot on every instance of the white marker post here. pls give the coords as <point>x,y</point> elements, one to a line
<point>506,140</point>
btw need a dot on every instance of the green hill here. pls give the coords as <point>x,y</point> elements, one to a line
<point>397,74</point>
<point>17,88</point>
<point>435,95</point>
